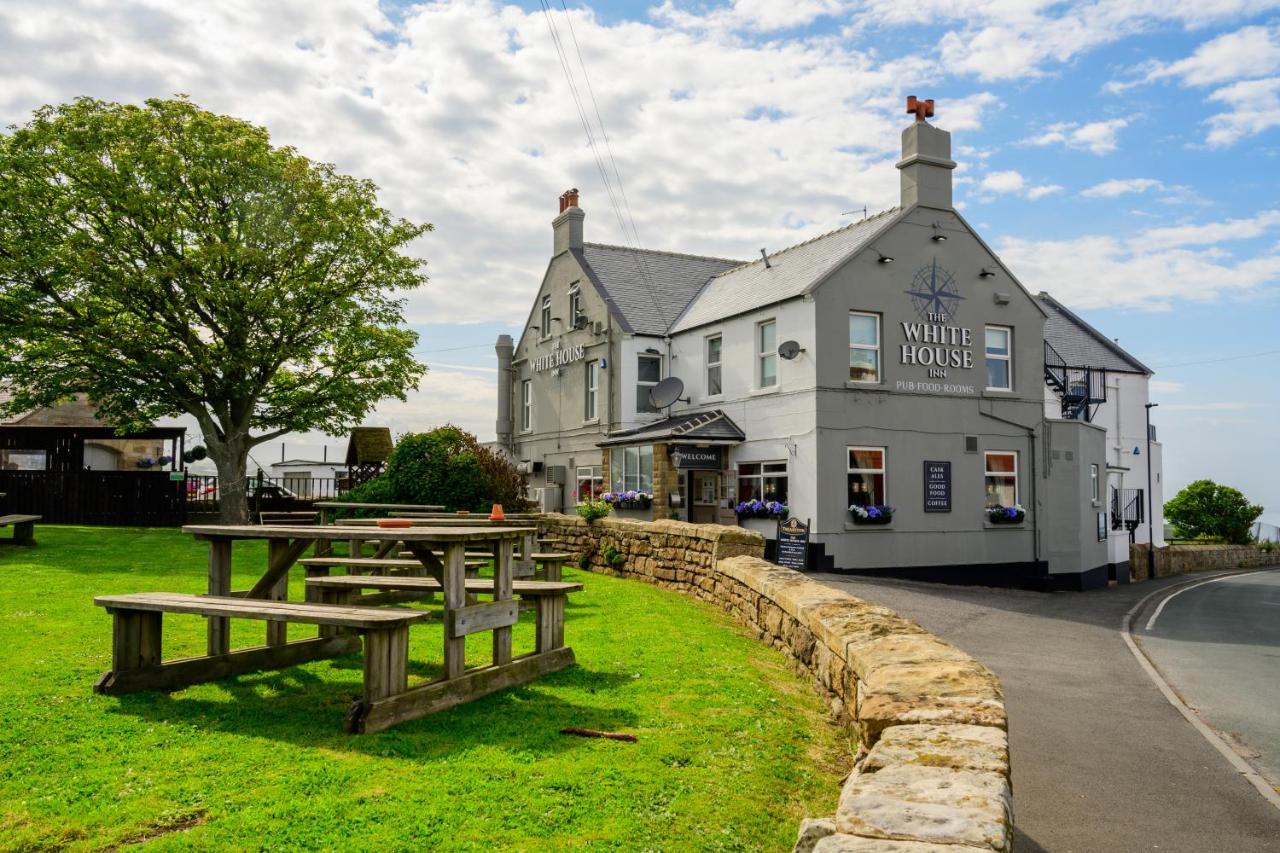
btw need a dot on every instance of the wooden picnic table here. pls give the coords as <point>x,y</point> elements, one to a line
<point>326,507</point>
<point>524,559</point>
<point>286,544</point>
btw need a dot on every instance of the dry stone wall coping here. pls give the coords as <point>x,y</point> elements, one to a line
<point>932,771</point>
<point>1208,557</point>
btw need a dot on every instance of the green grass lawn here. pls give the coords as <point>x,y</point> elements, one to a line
<point>733,748</point>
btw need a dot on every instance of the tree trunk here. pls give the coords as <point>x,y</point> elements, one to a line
<point>232,459</point>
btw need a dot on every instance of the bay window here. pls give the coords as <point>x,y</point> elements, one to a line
<point>1001,477</point>
<point>864,347</point>
<point>631,469</point>
<point>866,476</point>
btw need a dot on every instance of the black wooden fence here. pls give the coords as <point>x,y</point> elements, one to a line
<point>120,498</point>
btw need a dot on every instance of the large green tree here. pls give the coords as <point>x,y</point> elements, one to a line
<point>1204,508</point>
<point>165,260</point>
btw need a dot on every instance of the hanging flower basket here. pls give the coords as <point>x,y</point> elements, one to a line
<point>762,509</point>
<point>1006,514</point>
<point>871,514</point>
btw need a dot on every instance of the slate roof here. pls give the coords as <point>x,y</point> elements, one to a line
<point>1080,344</point>
<point>714,427</point>
<point>791,272</point>
<point>647,289</point>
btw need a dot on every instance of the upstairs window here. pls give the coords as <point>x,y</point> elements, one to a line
<point>1001,477</point>
<point>866,476</point>
<point>864,347</point>
<point>591,408</point>
<point>575,306</point>
<point>999,358</point>
<point>544,330</point>
<point>526,405</point>
<point>713,366</point>
<point>648,374</point>
<point>767,357</point>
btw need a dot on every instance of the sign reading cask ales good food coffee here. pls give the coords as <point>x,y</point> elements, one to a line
<point>793,544</point>
<point>937,486</point>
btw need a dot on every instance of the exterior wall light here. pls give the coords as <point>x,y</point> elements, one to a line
<point>884,259</point>
<point>986,273</point>
<point>938,236</point>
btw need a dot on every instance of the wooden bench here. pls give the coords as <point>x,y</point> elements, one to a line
<point>24,528</point>
<point>303,518</point>
<point>343,591</point>
<point>137,662</point>
<point>374,564</point>
<point>551,564</point>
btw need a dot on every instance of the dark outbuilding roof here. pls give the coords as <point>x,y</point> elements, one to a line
<point>369,444</point>
<point>1080,344</point>
<point>646,289</point>
<point>714,427</point>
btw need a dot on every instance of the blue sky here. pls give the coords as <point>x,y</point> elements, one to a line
<point>1117,153</point>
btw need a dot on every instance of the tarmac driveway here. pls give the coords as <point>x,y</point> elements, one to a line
<point>1101,761</point>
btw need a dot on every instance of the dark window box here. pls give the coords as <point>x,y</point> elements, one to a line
<point>884,519</point>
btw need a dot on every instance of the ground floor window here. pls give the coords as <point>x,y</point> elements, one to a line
<point>590,483</point>
<point>762,481</point>
<point>631,469</point>
<point>866,476</point>
<point>1002,477</point>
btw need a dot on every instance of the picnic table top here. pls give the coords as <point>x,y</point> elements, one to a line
<point>480,521</point>
<point>383,534</point>
<point>388,507</point>
<point>485,515</point>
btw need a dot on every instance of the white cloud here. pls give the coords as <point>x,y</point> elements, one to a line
<point>1118,187</point>
<point>1165,386</point>
<point>1246,53</point>
<point>1011,182</point>
<point>1254,107</point>
<point>1151,270</point>
<point>1096,137</point>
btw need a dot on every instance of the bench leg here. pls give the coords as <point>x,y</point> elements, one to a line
<point>135,639</point>
<point>554,570</point>
<point>338,597</point>
<point>550,622</point>
<point>24,533</point>
<point>386,662</point>
<point>219,584</point>
<point>503,568</point>
<point>455,598</point>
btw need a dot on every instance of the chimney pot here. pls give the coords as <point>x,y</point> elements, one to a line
<point>571,198</point>
<point>567,227</point>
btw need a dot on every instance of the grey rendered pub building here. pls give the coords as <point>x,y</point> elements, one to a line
<point>893,362</point>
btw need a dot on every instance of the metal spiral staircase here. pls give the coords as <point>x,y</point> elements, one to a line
<point>1081,389</point>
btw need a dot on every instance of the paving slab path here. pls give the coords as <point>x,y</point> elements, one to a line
<point>1101,761</point>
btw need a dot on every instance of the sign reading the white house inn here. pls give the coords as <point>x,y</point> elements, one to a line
<point>935,342</point>
<point>559,357</point>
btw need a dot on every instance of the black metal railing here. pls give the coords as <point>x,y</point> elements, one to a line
<point>1128,510</point>
<point>265,494</point>
<point>1080,389</point>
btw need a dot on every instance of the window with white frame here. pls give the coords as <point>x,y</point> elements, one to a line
<point>864,347</point>
<point>545,317</point>
<point>999,358</point>
<point>591,406</point>
<point>590,483</point>
<point>631,469</point>
<point>1094,486</point>
<point>1001,477</point>
<point>762,481</point>
<point>714,386</point>
<point>526,405</point>
<point>767,354</point>
<point>575,305</point>
<point>648,374</point>
<point>866,476</point>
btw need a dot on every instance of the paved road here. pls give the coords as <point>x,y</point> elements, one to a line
<point>1101,761</point>
<point>1218,645</point>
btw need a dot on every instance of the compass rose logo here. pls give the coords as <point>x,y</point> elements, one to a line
<point>934,291</point>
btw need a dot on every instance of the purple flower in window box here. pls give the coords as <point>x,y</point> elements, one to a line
<point>1006,514</point>
<point>871,513</point>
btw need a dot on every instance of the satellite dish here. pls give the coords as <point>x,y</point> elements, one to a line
<point>666,393</point>
<point>789,349</point>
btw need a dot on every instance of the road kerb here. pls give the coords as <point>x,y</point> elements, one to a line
<point>1255,778</point>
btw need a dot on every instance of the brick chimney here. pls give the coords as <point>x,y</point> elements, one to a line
<point>567,227</point>
<point>926,162</point>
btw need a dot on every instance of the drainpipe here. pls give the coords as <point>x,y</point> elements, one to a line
<point>1035,502</point>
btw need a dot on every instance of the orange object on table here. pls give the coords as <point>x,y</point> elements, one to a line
<point>497,514</point>
<point>395,522</point>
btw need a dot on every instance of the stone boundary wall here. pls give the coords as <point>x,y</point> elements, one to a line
<point>1181,559</point>
<point>932,767</point>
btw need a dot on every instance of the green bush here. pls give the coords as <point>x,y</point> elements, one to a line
<point>1205,509</point>
<point>593,509</point>
<point>446,466</point>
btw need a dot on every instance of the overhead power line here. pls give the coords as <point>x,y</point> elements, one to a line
<point>1219,360</point>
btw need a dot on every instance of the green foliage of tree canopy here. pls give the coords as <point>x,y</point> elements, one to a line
<point>1206,509</point>
<point>447,466</point>
<point>165,260</point>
